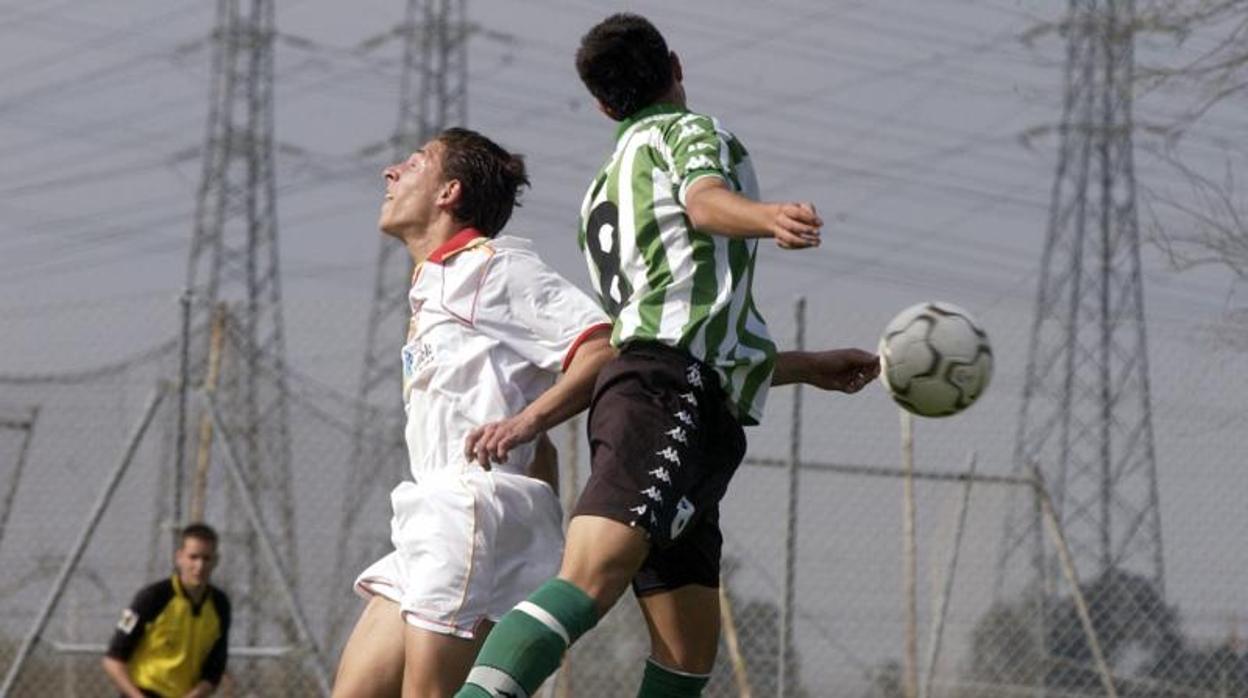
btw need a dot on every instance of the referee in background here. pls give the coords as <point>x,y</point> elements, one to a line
<point>171,642</point>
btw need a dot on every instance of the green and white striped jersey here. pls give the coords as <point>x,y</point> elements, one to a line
<point>657,277</point>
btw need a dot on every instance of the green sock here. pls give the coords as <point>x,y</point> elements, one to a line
<point>528,643</point>
<point>661,682</point>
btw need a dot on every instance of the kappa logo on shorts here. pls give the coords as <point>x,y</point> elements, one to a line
<point>684,417</point>
<point>670,454</point>
<point>653,493</point>
<point>677,433</point>
<point>684,514</point>
<point>690,128</point>
<point>694,375</point>
<point>700,162</point>
<point>690,398</point>
<point>639,510</point>
<point>129,619</point>
<point>660,473</point>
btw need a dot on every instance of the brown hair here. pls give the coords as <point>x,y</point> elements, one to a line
<point>198,531</point>
<point>489,177</point>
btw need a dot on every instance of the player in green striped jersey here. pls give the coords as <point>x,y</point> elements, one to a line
<point>674,178</point>
<point>669,228</point>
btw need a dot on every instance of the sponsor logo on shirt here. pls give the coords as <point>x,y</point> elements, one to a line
<point>416,358</point>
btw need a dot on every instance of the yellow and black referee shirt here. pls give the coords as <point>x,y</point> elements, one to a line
<point>170,644</point>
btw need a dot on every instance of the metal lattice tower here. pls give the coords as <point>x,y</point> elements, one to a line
<point>433,95</point>
<point>1086,419</point>
<point>234,260</point>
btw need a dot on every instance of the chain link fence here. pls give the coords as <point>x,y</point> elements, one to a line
<point>985,623</point>
<point>979,629</point>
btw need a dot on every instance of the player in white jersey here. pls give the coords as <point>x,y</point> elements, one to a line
<point>492,328</point>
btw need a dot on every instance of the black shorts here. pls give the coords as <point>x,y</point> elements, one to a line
<point>663,446</point>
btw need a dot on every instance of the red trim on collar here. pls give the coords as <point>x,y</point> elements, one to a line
<point>457,242</point>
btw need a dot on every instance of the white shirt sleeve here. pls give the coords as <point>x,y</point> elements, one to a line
<point>532,309</point>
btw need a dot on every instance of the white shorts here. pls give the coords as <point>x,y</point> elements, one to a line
<point>467,547</point>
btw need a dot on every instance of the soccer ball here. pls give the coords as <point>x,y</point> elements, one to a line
<point>934,359</point>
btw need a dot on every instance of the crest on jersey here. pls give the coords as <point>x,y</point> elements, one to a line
<point>684,514</point>
<point>128,620</point>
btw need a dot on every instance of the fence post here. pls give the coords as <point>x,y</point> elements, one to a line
<point>942,603</point>
<point>234,471</point>
<point>184,384</point>
<point>910,675</point>
<point>784,668</point>
<point>1076,592</point>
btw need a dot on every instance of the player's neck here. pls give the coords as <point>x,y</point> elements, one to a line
<point>675,95</point>
<point>194,592</point>
<point>421,245</point>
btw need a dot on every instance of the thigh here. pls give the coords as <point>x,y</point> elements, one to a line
<point>601,557</point>
<point>371,665</point>
<point>684,627</point>
<point>693,559</point>
<point>436,664</point>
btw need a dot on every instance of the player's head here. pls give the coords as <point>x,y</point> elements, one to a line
<point>626,65</point>
<point>196,555</point>
<point>460,174</point>
<point>490,179</point>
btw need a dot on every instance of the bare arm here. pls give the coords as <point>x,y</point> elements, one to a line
<point>714,208</point>
<point>203,689</point>
<point>570,395</point>
<point>115,669</point>
<point>846,370</point>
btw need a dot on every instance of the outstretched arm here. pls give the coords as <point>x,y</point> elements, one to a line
<point>846,370</point>
<point>203,689</point>
<point>570,395</point>
<point>714,208</point>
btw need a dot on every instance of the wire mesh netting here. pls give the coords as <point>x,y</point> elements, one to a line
<point>982,628</point>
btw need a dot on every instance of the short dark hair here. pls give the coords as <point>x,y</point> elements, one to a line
<point>198,531</point>
<point>489,177</point>
<point>624,62</point>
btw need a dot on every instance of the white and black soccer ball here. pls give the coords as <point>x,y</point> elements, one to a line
<point>935,359</point>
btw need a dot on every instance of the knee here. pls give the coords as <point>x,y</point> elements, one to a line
<point>603,581</point>
<point>601,558</point>
<point>694,656</point>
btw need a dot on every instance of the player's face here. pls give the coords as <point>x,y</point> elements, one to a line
<point>412,189</point>
<point>195,561</point>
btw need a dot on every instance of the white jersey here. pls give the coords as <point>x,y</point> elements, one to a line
<point>492,327</point>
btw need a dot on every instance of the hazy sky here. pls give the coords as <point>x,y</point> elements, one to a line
<point>902,121</point>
